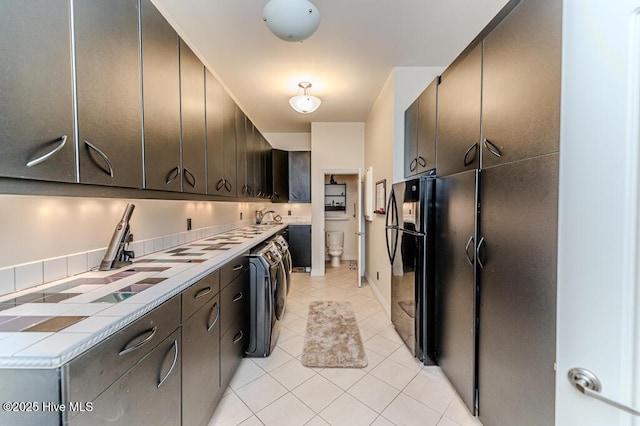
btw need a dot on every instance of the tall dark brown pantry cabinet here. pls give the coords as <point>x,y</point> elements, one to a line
<point>108,92</point>
<point>36,112</point>
<point>299,176</point>
<point>161,95</point>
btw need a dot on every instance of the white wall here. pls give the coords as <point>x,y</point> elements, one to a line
<point>289,141</point>
<point>335,148</point>
<point>349,226</point>
<point>38,227</point>
<point>384,150</point>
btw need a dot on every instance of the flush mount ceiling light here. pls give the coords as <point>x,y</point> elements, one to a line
<point>291,20</point>
<point>304,103</point>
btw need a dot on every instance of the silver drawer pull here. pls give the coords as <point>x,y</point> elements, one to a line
<point>202,292</point>
<point>238,267</point>
<point>173,364</point>
<point>589,384</point>
<point>61,142</point>
<point>238,337</point>
<point>215,320</point>
<point>126,350</point>
<point>238,297</point>
<point>172,175</point>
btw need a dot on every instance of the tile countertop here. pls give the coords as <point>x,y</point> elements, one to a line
<point>48,325</point>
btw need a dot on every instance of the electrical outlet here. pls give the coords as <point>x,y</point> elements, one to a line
<point>377,275</point>
<point>240,215</point>
<point>189,224</point>
<point>289,213</point>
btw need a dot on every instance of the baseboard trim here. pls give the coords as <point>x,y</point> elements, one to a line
<point>381,299</point>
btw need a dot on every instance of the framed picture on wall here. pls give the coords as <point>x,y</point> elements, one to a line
<point>381,196</point>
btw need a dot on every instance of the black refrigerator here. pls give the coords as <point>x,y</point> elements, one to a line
<point>410,224</point>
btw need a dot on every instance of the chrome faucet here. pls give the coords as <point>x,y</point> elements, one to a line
<point>262,213</point>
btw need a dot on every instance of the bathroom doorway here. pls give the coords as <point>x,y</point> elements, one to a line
<point>343,227</point>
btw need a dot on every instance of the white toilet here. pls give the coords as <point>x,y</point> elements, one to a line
<point>335,242</point>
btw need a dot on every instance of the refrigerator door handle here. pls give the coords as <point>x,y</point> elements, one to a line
<point>480,243</point>
<point>466,250</point>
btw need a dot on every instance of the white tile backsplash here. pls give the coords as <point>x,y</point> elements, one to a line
<point>77,264</point>
<point>55,269</point>
<point>20,277</point>
<point>28,275</point>
<point>7,280</point>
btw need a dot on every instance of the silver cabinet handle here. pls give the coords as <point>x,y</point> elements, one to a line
<point>202,292</point>
<point>466,250</point>
<point>245,189</point>
<point>468,161</point>
<point>189,177</point>
<point>293,194</point>
<point>238,337</point>
<point>173,364</point>
<point>421,161</point>
<point>238,267</point>
<point>227,185</point>
<point>215,320</point>
<point>238,297</point>
<point>128,349</point>
<point>413,165</point>
<point>103,156</point>
<point>492,148</point>
<point>61,142</point>
<point>173,175</point>
<point>220,184</point>
<point>589,384</point>
<point>480,243</point>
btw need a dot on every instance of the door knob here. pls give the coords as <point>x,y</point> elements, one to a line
<point>589,384</point>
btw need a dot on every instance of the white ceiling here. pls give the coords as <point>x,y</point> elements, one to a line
<point>348,59</point>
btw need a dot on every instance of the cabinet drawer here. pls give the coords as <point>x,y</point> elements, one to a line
<point>92,372</point>
<point>232,269</point>
<point>199,294</point>
<point>232,346</point>
<point>148,394</point>
<point>234,302</point>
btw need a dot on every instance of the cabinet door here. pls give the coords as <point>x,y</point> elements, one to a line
<point>521,84</point>
<point>161,94</point>
<point>300,245</point>
<point>215,157</point>
<point>241,154</point>
<point>108,92</point>
<point>426,155</point>
<point>148,394</point>
<point>458,135</point>
<point>455,282</point>
<point>194,137</point>
<point>229,150</point>
<point>518,292</point>
<point>36,112</point>
<point>201,364</point>
<point>253,158</point>
<point>411,139</point>
<point>267,167</point>
<point>299,176</point>
<point>280,164</point>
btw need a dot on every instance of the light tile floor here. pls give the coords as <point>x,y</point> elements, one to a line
<point>394,389</point>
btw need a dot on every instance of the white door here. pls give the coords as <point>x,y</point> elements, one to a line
<point>360,232</point>
<point>598,291</point>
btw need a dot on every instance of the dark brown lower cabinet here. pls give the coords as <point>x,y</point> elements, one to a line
<point>201,389</point>
<point>300,245</point>
<point>146,394</point>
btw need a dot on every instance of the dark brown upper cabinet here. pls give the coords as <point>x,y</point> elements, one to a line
<point>254,161</point>
<point>521,84</point>
<point>161,96</point>
<point>221,139</point>
<point>36,112</point>
<point>108,92</point>
<point>194,131</point>
<point>280,173</point>
<point>411,139</point>
<point>459,96</point>
<point>299,176</point>
<point>242,157</point>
